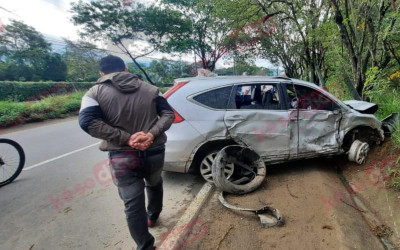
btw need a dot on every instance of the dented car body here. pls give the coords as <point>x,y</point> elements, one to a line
<point>279,118</point>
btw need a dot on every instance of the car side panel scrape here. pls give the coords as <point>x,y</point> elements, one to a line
<point>318,132</point>
<point>265,131</point>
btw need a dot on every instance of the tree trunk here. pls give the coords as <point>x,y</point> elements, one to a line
<point>321,78</point>
<point>351,88</point>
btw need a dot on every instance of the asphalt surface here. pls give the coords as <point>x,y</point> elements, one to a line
<point>65,199</point>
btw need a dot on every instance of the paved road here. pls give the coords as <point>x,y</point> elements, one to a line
<point>64,198</point>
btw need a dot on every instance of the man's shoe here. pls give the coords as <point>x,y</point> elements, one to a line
<point>151,223</point>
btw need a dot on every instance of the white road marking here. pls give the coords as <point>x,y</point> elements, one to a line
<point>59,157</point>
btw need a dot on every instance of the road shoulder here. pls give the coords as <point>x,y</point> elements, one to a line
<point>302,192</point>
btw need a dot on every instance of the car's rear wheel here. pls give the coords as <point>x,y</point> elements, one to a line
<point>206,167</point>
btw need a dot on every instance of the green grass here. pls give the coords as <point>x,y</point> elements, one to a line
<point>394,181</point>
<point>13,113</point>
<point>388,102</point>
<point>28,91</point>
<point>53,106</point>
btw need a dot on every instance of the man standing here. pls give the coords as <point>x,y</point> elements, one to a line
<point>131,117</point>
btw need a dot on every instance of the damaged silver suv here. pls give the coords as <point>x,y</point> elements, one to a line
<point>281,119</point>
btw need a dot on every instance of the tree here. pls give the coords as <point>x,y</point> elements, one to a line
<point>82,59</point>
<point>207,36</point>
<point>23,50</point>
<point>165,71</point>
<point>56,68</point>
<point>159,67</point>
<point>285,31</point>
<point>360,24</point>
<point>127,22</point>
<point>247,67</point>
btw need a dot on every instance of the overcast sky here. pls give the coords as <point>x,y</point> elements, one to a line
<point>52,18</point>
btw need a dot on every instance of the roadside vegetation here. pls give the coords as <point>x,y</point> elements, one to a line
<point>31,91</point>
<point>351,48</point>
<point>15,113</point>
<point>395,173</point>
<point>50,107</point>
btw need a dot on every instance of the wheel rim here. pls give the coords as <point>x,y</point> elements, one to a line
<point>362,153</point>
<point>206,167</point>
<point>9,162</point>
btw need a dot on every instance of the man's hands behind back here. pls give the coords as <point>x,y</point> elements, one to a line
<point>141,140</point>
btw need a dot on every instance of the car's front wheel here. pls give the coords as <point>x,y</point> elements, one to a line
<point>358,152</point>
<point>206,167</point>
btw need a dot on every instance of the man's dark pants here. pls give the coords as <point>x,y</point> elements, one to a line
<point>133,171</point>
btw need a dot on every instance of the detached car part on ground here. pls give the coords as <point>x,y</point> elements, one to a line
<point>280,119</point>
<point>253,174</point>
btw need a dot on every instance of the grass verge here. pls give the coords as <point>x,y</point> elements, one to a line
<point>394,172</point>
<point>53,106</point>
<point>394,182</point>
<point>14,113</point>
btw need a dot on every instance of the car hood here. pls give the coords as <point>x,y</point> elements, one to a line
<point>362,107</point>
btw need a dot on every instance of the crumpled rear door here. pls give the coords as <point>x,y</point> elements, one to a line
<point>265,131</point>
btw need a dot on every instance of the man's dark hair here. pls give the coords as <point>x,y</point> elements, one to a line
<point>111,64</point>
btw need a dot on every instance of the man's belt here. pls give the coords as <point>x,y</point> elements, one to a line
<point>142,154</point>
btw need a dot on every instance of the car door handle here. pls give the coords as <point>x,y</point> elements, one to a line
<point>235,118</point>
<point>295,118</point>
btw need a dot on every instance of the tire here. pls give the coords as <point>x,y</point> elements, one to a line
<point>12,161</point>
<point>205,167</point>
<point>238,155</point>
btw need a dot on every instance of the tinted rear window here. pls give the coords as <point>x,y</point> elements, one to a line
<point>216,98</point>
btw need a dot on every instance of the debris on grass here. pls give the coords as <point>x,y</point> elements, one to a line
<point>382,230</point>
<point>394,181</point>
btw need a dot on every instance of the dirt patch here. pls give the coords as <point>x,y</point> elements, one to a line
<point>371,182</point>
<point>310,196</point>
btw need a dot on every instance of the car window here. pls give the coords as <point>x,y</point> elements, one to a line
<point>309,98</point>
<point>292,104</point>
<point>216,98</point>
<point>257,96</point>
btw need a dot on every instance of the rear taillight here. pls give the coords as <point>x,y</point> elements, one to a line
<point>178,117</point>
<point>174,89</point>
